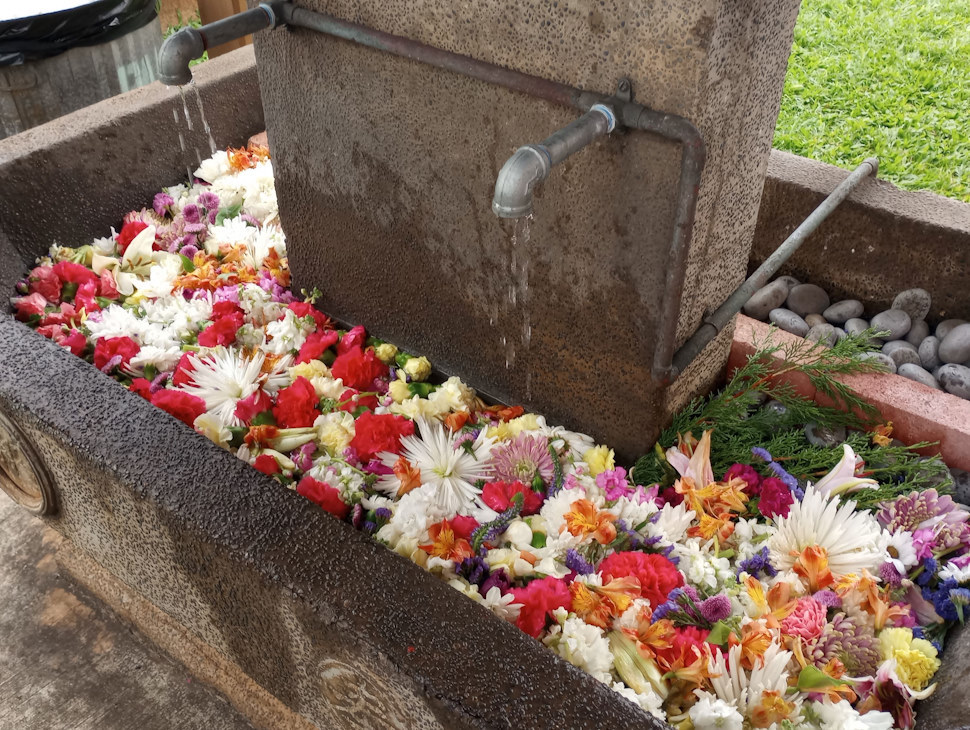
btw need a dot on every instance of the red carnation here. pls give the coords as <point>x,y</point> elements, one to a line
<point>297,406</point>
<point>266,464</point>
<point>463,526</point>
<point>45,282</point>
<point>142,387</point>
<point>776,498</point>
<point>357,368</point>
<point>316,344</point>
<point>183,370</point>
<point>106,285</point>
<point>222,331</point>
<point>539,599</point>
<point>64,314</point>
<point>128,233</point>
<point>657,575</point>
<point>305,309</point>
<point>324,495</point>
<point>498,496</point>
<point>183,406</point>
<point>75,341</point>
<point>68,271</point>
<point>224,309</point>
<point>356,337</point>
<point>374,434</point>
<point>351,400</point>
<point>29,306</point>
<point>252,405</point>
<point>84,298</point>
<point>107,349</point>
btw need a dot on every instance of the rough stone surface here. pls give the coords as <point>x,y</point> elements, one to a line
<point>929,352</point>
<point>919,374</point>
<point>961,485</point>
<point>823,333</point>
<point>880,357</point>
<point>68,662</point>
<point>901,352</point>
<point>915,302</point>
<point>918,331</point>
<point>815,319</point>
<point>955,347</point>
<point>841,312</point>
<point>944,327</point>
<point>788,321</point>
<point>955,379</point>
<point>409,184</point>
<point>894,321</point>
<point>807,299</point>
<point>879,242</point>
<point>771,296</point>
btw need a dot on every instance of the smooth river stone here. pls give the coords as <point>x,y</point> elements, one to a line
<point>918,331</point>
<point>929,352</point>
<point>955,347</point>
<point>894,321</point>
<point>915,302</point>
<point>955,379</point>
<point>841,312</point>
<point>917,373</point>
<point>944,327</point>
<point>807,299</point>
<point>857,326</point>
<point>789,321</point>
<point>765,299</point>
<point>901,352</point>
<point>814,319</point>
<point>881,357</point>
<point>823,333</point>
<point>788,281</point>
<point>840,334</point>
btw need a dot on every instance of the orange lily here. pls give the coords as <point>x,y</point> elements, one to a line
<point>772,708</point>
<point>455,421</point>
<point>652,637</point>
<point>812,565</point>
<point>599,605</point>
<point>409,475</point>
<point>260,435</point>
<point>445,544</point>
<point>874,601</point>
<point>584,519</point>
<point>721,525</point>
<point>754,642</point>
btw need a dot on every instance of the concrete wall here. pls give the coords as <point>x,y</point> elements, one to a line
<point>878,242</point>
<point>385,171</point>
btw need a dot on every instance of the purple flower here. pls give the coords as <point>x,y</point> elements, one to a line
<point>790,481</point>
<point>522,460</point>
<point>761,453</point>
<point>855,645</point>
<point>302,456</point>
<point>889,575</point>
<point>162,202</point>
<point>757,563</point>
<point>474,570</point>
<point>191,213</point>
<point>829,599</point>
<point>496,578</point>
<point>189,251</point>
<point>357,516</point>
<point>715,608</point>
<point>577,563</point>
<point>209,201</point>
<point>920,510</point>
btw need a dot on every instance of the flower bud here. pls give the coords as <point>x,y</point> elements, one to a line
<point>386,352</point>
<point>418,368</point>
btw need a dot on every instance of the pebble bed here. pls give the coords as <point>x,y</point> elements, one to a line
<point>938,357</point>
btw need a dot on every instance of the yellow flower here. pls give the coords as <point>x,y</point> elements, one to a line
<point>510,429</point>
<point>399,391</point>
<point>599,459</point>
<point>419,368</point>
<point>386,353</point>
<point>336,432</point>
<point>309,370</point>
<point>916,660</point>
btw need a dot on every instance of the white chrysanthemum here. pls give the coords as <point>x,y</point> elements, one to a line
<point>222,378</point>
<point>106,246</point>
<point>582,645</point>
<point>843,716</point>
<point>412,514</point>
<point>578,443</point>
<point>672,524</point>
<point>554,509</point>
<point>287,334</point>
<point>632,512</point>
<point>701,565</point>
<point>259,305</point>
<point>163,359</point>
<point>710,713</point>
<point>902,552</point>
<point>161,277</point>
<point>212,169</point>
<point>649,701</point>
<point>117,321</point>
<point>231,232</point>
<point>451,469</point>
<point>743,689</point>
<point>853,541</point>
<point>171,320</point>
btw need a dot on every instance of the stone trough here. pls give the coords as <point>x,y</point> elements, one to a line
<point>336,629</point>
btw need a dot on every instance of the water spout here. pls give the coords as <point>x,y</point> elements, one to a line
<point>190,43</point>
<point>531,164</point>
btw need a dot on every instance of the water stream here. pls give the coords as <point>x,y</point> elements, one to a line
<point>205,122</point>
<point>517,304</point>
<point>188,171</point>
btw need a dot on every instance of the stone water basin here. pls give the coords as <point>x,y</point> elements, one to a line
<point>255,572</point>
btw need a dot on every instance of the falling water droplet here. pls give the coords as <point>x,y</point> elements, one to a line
<point>205,123</point>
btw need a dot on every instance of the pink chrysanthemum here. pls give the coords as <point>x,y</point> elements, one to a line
<point>523,459</point>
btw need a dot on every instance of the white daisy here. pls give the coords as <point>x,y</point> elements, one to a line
<point>853,541</point>
<point>902,553</point>
<point>452,470</point>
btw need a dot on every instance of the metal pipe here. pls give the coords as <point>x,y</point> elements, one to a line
<point>189,44</point>
<point>715,322</point>
<point>531,164</point>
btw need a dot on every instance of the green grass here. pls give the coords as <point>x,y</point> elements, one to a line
<point>192,22</point>
<point>883,77</point>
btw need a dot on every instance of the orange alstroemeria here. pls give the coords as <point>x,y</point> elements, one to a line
<point>243,158</point>
<point>278,267</point>
<point>599,605</point>
<point>812,566</point>
<point>882,434</point>
<point>875,601</point>
<point>584,519</point>
<point>455,421</point>
<point>755,640</point>
<point>260,436</point>
<point>772,708</point>
<point>506,413</point>
<point>445,544</point>
<point>722,526</point>
<point>652,637</point>
<point>724,496</point>
<point>774,606</point>
<point>690,665</point>
<point>407,474</point>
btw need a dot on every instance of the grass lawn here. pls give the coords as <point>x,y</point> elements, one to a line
<point>883,77</point>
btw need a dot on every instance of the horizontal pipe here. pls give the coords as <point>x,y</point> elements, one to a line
<point>238,25</point>
<point>714,323</point>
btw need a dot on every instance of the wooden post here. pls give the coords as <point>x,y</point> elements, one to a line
<point>212,10</point>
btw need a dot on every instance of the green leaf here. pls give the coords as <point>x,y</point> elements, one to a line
<point>265,418</point>
<point>538,539</point>
<point>719,634</point>
<point>187,266</point>
<point>227,213</point>
<point>811,678</point>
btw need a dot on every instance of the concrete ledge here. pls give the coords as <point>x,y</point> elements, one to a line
<point>918,413</point>
<point>880,241</point>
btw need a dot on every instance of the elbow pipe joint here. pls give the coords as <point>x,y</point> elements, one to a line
<point>517,179</point>
<point>189,44</point>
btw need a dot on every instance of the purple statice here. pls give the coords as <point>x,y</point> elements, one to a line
<point>942,601</point>
<point>577,563</point>
<point>715,608</point>
<point>919,510</point>
<point>829,599</point>
<point>757,563</point>
<point>383,514</point>
<point>162,203</point>
<point>474,570</point>
<point>614,483</point>
<point>790,481</point>
<point>522,460</point>
<point>929,567</point>
<point>855,645</point>
<point>761,453</point>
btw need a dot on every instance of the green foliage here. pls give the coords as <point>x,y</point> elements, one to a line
<point>193,21</point>
<point>889,78</point>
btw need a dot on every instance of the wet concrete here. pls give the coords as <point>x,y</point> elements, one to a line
<point>68,662</point>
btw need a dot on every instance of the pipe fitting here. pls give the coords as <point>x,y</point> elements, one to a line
<point>176,52</point>
<point>520,174</point>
